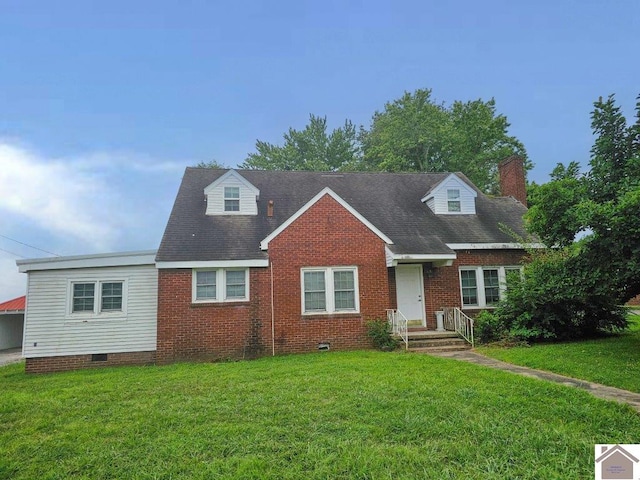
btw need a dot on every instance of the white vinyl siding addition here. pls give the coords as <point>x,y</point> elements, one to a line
<point>220,285</point>
<point>327,290</point>
<point>64,320</point>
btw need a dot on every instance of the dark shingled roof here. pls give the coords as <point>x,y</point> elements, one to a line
<point>390,201</point>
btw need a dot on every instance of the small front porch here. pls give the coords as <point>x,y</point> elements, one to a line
<point>455,332</point>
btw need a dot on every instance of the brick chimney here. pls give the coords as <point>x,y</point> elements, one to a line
<point>512,182</point>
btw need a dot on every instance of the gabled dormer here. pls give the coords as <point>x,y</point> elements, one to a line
<point>452,196</point>
<point>232,194</point>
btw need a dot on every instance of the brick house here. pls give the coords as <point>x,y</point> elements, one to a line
<point>258,263</point>
<point>272,262</point>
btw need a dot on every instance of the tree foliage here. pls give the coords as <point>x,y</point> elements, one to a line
<point>591,224</point>
<point>411,134</point>
<point>210,164</point>
<point>310,149</point>
<point>416,134</point>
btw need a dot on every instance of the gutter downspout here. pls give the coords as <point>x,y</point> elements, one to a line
<point>273,324</point>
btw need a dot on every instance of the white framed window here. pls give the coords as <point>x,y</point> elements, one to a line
<point>93,298</point>
<point>220,285</point>
<point>111,297</point>
<point>483,287</point>
<point>205,288</point>
<point>327,290</point>
<point>231,199</point>
<point>453,200</point>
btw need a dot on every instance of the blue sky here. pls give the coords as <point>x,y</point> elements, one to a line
<point>103,104</point>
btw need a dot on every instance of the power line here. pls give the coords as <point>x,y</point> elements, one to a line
<point>26,245</point>
<point>12,253</point>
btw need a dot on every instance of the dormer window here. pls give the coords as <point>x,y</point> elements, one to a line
<point>453,200</point>
<point>231,199</point>
<point>232,194</point>
<point>452,196</point>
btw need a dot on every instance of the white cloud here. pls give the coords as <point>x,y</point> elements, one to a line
<point>131,161</point>
<point>93,203</point>
<point>54,195</point>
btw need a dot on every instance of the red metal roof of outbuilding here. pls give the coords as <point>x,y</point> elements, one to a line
<point>17,304</point>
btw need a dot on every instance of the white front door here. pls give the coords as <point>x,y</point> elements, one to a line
<point>410,290</point>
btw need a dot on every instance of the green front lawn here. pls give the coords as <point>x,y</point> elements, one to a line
<point>613,361</point>
<point>365,415</point>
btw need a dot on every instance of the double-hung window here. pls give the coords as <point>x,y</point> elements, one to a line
<point>111,297</point>
<point>453,200</point>
<point>220,285</point>
<point>491,286</point>
<point>469,287</point>
<point>231,199</point>
<point>84,297</point>
<point>97,297</point>
<point>330,290</point>
<point>205,285</point>
<point>483,287</point>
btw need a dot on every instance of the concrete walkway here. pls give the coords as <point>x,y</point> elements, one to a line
<point>13,355</point>
<point>597,390</point>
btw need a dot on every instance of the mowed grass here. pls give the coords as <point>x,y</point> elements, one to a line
<point>361,415</point>
<point>613,360</point>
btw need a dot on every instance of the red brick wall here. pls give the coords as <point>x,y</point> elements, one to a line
<point>211,331</point>
<point>75,362</point>
<point>442,285</point>
<point>326,235</point>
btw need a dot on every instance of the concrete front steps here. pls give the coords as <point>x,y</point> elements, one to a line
<point>427,341</point>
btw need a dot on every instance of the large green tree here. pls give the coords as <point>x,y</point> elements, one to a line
<point>417,134</point>
<point>591,225</point>
<point>313,148</point>
<point>602,206</point>
<point>412,134</point>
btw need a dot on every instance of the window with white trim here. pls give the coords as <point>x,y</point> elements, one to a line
<point>453,200</point>
<point>231,199</point>
<point>97,297</point>
<point>111,297</point>
<point>484,287</point>
<point>330,290</point>
<point>220,285</point>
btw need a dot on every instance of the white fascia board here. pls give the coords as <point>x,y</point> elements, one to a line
<point>214,264</point>
<point>236,175</point>
<point>264,245</point>
<point>394,259</point>
<point>11,312</point>
<point>118,259</point>
<point>494,246</point>
<point>438,187</point>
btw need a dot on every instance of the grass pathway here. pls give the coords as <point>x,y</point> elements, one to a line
<point>601,391</point>
<point>613,360</point>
